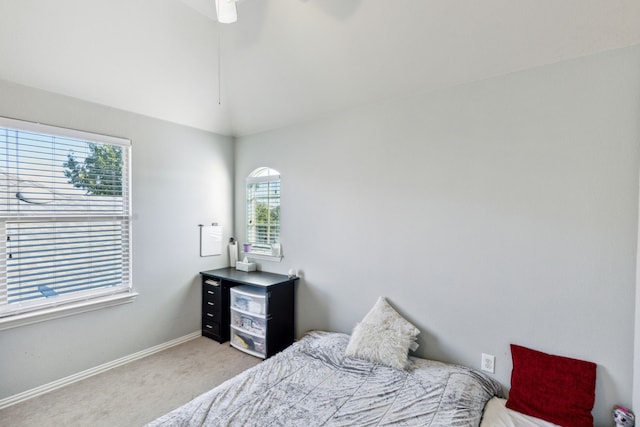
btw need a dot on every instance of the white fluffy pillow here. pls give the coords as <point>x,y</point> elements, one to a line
<point>383,336</point>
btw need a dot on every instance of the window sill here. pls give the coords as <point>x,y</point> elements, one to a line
<point>263,256</point>
<point>65,310</point>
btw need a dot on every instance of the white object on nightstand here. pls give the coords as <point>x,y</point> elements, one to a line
<point>245,266</point>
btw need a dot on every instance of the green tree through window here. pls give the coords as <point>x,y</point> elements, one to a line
<point>263,209</point>
<point>100,173</point>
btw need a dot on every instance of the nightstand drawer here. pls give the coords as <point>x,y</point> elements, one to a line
<point>210,327</point>
<point>210,306</point>
<point>211,316</point>
<point>211,292</point>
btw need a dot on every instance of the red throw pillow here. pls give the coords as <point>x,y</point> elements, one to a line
<point>554,388</point>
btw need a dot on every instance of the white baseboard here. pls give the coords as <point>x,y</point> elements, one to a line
<point>26,395</point>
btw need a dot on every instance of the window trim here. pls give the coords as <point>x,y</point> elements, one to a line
<point>263,256</point>
<point>65,132</point>
<point>66,309</point>
<point>82,303</point>
<point>258,176</point>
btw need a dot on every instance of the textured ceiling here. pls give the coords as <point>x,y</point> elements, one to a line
<point>287,61</point>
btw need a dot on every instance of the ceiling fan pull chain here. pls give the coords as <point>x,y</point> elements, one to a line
<point>219,67</point>
<point>219,32</point>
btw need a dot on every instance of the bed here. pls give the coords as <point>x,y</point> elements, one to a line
<point>368,379</point>
<point>314,383</point>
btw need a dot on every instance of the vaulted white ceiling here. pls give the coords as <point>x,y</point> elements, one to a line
<point>287,61</point>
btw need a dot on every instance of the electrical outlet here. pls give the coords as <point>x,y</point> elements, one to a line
<point>488,363</point>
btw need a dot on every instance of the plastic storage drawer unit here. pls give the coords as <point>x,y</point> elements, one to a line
<point>248,320</point>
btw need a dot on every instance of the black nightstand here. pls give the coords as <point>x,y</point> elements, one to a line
<point>274,327</point>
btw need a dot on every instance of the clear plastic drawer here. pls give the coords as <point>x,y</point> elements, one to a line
<point>248,343</point>
<point>244,321</point>
<point>249,299</point>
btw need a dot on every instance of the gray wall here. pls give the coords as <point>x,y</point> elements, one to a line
<point>181,178</point>
<point>498,212</point>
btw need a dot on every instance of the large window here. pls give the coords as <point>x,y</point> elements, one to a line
<point>64,217</point>
<point>263,210</point>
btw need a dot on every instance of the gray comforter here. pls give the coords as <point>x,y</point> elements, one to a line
<point>312,383</point>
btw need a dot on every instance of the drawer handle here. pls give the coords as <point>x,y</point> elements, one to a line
<point>210,292</point>
<point>210,303</point>
<point>209,314</point>
<point>209,326</point>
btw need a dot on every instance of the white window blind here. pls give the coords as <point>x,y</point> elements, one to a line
<point>263,209</point>
<point>64,216</point>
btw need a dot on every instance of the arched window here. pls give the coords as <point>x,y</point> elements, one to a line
<point>263,210</point>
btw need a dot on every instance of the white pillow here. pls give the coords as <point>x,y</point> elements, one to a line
<point>496,414</point>
<point>383,336</point>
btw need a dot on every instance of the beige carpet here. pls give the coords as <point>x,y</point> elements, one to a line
<point>136,393</point>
